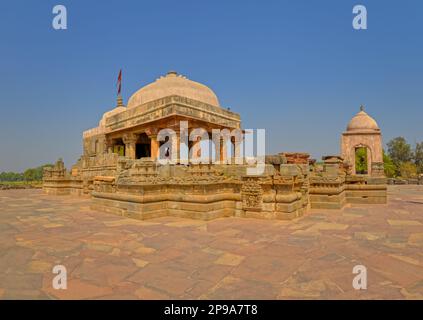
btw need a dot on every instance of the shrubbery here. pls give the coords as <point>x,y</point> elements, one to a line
<point>401,160</point>
<point>32,174</point>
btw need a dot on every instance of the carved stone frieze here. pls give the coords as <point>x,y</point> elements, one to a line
<point>252,194</point>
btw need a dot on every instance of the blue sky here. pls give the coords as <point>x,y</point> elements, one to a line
<point>296,68</point>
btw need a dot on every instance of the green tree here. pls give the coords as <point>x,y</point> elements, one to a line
<point>361,161</point>
<point>11,176</point>
<point>35,174</point>
<point>418,157</point>
<point>408,170</point>
<point>30,174</point>
<point>399,151</point>
<point>389,166</point>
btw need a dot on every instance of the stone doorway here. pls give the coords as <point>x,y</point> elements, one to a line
<point>143,147</point>
<point>361,160</point>
<point>119,147</point>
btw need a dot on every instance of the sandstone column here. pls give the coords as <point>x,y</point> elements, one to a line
<point>129,140</point>
<point>155,146</point>
<point>152,133</point>
<point>176,140</point>
<point>108,146</point>
<point>220,147</point>
<point>237,144</point>
<point>223,150</point>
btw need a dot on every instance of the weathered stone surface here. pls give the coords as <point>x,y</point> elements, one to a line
<point>111,257</point>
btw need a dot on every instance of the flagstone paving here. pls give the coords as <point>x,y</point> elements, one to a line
<point>111,257</point>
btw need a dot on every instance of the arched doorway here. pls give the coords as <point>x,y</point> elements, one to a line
<point>362,160</point>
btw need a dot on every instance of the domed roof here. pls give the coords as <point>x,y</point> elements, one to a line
<point>362,122</point>
<point>173,84</point>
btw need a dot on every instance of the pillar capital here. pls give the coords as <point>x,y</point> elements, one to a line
<point>129,138</point>
<point>152,132</point>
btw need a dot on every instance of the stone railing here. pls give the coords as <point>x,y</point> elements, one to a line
<point>93,132</point>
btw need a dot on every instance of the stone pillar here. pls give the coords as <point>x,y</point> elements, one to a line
<point>369,161</point>
<point>129,140</point>
<point>237,144</point>
<point>175,155</point>
<point>217,144</point>
<point>152,133</point>
<point>196,148</point>
<point>333,165</point>
<point>155,146</point>
<point>108,146</point>
<point>377,169</point>
<point>221,150</point>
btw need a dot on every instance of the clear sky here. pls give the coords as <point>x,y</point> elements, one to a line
<point>296,68</point>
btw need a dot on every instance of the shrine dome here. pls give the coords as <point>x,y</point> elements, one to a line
<point>362,122</point>
<point>173,84</point>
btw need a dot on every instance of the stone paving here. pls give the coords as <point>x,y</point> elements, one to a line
<point>110,257</point>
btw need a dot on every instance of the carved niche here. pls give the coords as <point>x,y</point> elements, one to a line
<point>252,194</point>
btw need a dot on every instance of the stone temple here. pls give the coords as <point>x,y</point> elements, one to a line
<point>131,168</point>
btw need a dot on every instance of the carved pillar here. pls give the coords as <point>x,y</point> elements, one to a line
<point>221,150</point>
<point>237,144</point>
<point>175,147</point>
<point>129,140</point>
<point>108,146</point>
<point>154,144</point>
<point>377,169</point>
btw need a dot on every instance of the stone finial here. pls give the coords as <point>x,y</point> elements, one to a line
<point>361,108</point>
<point>120,101</point>
<point>171,73</point>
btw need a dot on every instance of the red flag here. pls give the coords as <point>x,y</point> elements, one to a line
<point>119,82</point>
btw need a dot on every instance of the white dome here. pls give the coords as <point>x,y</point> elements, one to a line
<point>362,122</point>
<point>173,84</point>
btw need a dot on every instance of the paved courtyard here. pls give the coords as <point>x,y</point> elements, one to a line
<point>110,257</point>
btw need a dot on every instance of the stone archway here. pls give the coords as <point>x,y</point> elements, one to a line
<point>362,159</point>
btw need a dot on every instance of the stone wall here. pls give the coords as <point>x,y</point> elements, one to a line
<point>144,189</point>
<point>335,186</point>
<point>400,181</point>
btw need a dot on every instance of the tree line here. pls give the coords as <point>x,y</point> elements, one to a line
<point>31,174</point>
<point>402,160</point>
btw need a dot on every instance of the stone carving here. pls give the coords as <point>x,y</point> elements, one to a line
<point>252,195</point>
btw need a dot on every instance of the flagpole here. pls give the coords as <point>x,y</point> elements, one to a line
<point>119,93</point>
